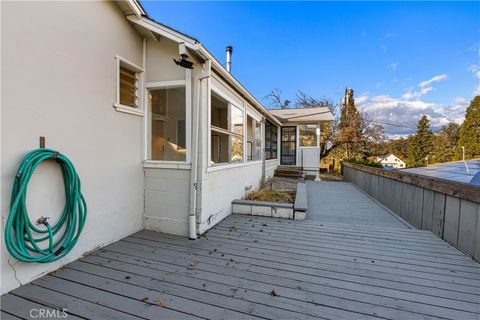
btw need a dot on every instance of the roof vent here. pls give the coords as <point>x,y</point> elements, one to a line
<point>229,50</point>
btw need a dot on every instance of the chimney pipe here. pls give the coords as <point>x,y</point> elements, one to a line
<point>229,50</point>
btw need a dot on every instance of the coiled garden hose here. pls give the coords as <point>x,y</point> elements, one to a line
<point>27,241</point>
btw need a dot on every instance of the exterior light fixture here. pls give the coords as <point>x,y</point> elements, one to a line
<point>183,62</point>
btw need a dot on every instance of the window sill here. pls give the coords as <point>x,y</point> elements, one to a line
<point>127,109</point>
<point>154,164</point>
<point>226,166</point>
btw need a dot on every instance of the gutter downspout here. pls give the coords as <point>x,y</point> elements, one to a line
<point>192,218</point>
<point>263,150</point>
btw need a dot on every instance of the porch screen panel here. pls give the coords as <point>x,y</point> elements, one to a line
<point>254,139</point>
<point>226,131</point>
<point>167,124</point>
<point>271,139</point>
<point>308,135</point>
<point>289,146</point>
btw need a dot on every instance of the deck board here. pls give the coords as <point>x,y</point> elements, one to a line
<point>342,202</point>
<point>266,268</point>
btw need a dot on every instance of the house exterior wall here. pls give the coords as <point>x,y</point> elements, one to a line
<point>160,65</point>
<point>167,193</point>
<point>306,157</point>
<point>270,166</point>
<point>167,183</point>
<point>393,161</point>
<point>59,81</point>
<point>222,186</point>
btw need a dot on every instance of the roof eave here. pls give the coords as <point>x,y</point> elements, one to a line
<point>236,84</point>
<point>137,8</point>
<point>194,45</point>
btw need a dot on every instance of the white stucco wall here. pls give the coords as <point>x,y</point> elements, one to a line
<point>58,81</point>
<point>167,193</point>
<point>220,187</point>
<point>160,65</point>
<point>167,188</point>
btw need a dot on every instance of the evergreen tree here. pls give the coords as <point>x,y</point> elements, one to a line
<point>470,131</point>
<point>350,124</point>
<point>421,144</point>
<point>445,143</point>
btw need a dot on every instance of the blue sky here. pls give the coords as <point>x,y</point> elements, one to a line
<point>403,59</point>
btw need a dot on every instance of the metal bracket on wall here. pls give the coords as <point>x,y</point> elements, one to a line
<point>42,142</point>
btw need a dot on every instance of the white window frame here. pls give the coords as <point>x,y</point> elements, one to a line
<point>188,92</point>
<point>139,110</point>
<point>264,140</point>
<point>231,103</point>
<point>255,116</point>
<point>317,126</point>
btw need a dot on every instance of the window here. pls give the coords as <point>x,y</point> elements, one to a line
<point>226,137</point>
<point>166,118</point>
<point>129,79</point>
<point>270,140</point>
<point>128,87</point>
<point>308,135</point>
<point>254,139</point>
<point>181,138</point>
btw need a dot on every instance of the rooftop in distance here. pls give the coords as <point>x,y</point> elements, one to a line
<point>456,171</point>
<point>302,115</point>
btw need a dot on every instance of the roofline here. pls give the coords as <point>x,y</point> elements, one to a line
<point>294,108</point>
<point>164,31</point>
<point>195,45</point>
<point>136,7</point>
<point>233,81</point>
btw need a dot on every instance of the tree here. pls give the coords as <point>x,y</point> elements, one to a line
<point>421,144</point>
<point>356,132</point>
<point>398,147</point>
<point>445,143</point>
<point>356,129</point>
<point>470,131</point>
<point>276,100</point>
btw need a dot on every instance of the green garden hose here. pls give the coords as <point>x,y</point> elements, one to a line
<point>22,237</point>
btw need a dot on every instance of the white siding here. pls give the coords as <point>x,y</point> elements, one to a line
<point>221,187</point>
<point>270,166</point>
<point>58,77</point>
<point>167,200</point>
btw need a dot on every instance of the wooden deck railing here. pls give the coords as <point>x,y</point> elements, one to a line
<point>449,209</point>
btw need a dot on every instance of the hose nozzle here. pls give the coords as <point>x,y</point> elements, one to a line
<point>43,220</point>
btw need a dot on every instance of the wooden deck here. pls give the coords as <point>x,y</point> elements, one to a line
<point>343,202</point>
<point>252,267</point>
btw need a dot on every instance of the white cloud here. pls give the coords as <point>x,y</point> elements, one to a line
<point>393,66</point>
<point>361,99</point>
<point>400,116</point>
<point>424,87</point>
<point>475,70</point>
<point>427,83</point>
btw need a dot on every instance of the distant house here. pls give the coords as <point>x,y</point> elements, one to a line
<point>391,160</point>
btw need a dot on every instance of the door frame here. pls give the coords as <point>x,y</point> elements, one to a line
<point>281,146</point>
